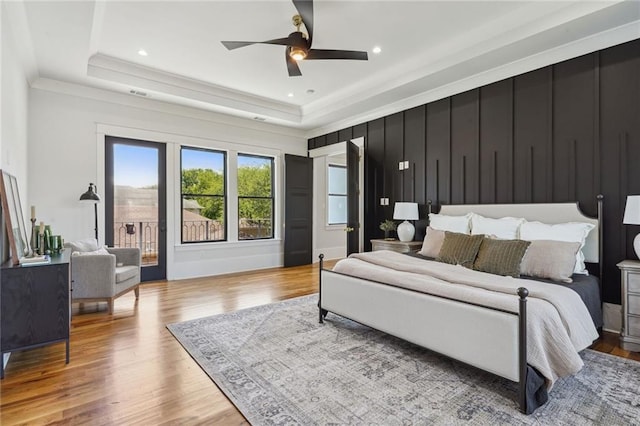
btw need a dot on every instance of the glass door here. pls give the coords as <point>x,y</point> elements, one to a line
<point>135,200</point>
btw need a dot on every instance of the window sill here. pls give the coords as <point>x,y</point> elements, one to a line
<point>227,244</point>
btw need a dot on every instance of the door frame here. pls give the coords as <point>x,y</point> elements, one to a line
<point>325,151</point>
<point>148,273</point>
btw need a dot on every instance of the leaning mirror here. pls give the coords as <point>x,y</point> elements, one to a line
<point>13,218</point>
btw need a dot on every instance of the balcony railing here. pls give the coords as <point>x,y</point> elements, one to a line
<point>144,235</point>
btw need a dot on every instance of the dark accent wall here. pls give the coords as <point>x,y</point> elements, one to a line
<point>566,132</point>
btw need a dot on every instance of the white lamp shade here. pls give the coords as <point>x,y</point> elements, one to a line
<point>405,211</point>
<point>632,210</point>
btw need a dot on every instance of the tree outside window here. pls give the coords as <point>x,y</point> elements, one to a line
<point>255,197</point>
<point>203,176</point>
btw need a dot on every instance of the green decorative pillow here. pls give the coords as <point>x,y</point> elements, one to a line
<point>459,249</point>
<point>501,257</point>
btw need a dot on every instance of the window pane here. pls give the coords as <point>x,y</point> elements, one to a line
<point>202,218</point>
<point>255,218</point>
<point>254,176</point>
<point>202,172</point>
<point>203,195</point>
<point>337,180</point>
<point>337,209</point>
<point>136,199</point>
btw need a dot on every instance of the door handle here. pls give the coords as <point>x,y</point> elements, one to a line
<point>349,229</point>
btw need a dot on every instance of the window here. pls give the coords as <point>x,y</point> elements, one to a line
<point>255,197</point>
<point>204,202</point>
<point>337,191</point>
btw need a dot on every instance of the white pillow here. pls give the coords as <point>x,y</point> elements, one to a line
<point>101,252</point>
<point>573,232</point>
<point>88,244</point>
<point>506,228</point>
<point>443,222</point>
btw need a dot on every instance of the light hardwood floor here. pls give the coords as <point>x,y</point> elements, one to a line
<point>128,369</point>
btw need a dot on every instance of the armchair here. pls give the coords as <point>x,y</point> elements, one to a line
<point>103,277</point>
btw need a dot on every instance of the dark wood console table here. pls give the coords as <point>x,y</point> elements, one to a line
<point>35,306</point>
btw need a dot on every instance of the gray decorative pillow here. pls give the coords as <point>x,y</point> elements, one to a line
<point>459,249</point>
<point>432,242</point>
<point>554,260</point>
<point>501,257</point>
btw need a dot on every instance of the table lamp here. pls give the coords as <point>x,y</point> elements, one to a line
<point>632,217</point>
<point>406,212</point>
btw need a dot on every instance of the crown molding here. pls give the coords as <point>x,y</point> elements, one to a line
<point>115,70</point>
<point>109,96</point>
<point>435,86</point>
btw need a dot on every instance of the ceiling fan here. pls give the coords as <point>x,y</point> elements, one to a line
<point>298,44</point>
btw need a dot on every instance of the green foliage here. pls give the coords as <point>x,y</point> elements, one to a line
<point>205,182</point>
<point>253,181</point>
<point>388,225</point>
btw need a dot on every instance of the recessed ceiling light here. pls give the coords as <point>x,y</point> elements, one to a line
<point>142,52</point>
<point>290,95</point>
<point>376,49</point>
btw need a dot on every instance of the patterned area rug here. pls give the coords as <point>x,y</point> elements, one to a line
<point>279,366</point>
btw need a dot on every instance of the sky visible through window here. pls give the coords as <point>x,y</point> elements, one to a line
<point>135,166</point>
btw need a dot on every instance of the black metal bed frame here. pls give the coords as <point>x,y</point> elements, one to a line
<point>522,292</point>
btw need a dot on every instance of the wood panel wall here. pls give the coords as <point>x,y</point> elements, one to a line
<point>566,132</point>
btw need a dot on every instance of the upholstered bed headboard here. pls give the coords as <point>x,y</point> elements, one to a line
<point>551,213</point>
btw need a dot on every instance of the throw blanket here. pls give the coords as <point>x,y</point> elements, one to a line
<point>558,323</point>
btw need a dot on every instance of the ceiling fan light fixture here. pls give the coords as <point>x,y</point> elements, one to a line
<point>297,53</point>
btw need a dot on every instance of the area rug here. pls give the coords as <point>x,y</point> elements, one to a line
<point>279,366</point>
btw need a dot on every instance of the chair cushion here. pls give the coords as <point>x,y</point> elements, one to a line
<point>123,273</point>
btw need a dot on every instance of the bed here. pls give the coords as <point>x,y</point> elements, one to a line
<point>503,331</point>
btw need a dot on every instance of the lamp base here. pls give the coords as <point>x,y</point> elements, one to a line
<point>405,231</point>
<point>636,245</point>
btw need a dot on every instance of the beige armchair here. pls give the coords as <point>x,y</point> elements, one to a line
<point>104,276</point>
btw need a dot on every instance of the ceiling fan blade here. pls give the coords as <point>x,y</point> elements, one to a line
<point>336,54</point>
<point>292,65</point>
<point>305,10</point>
<point>230,45</point>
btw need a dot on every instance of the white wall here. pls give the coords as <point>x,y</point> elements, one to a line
<point>14,91</point>
<point>66,152</point>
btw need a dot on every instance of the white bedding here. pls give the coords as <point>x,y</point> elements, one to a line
<point>558,323</point>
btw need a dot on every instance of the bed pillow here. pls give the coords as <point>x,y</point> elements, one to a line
<point>572,232</point>
<point>501,257</point>
<point>554,260</point>
<point>450,223</point>
<point>432,242</point>
<point>459,249</point>
<point>506,228</point>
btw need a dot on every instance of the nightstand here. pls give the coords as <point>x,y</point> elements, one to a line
<point>630,334</point>
<point>396,245</point>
